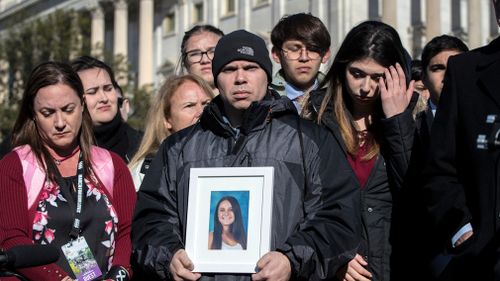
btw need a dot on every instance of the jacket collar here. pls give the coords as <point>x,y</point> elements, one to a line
<point>489,68</point>
<point>315,100</point>
<point>279,81</point>
<point>254,118</point>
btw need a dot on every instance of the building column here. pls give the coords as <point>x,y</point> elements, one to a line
<point>389,12</point>
<point>97,31</point>
<point>277,9</point>
<point>76,43</point>
<point>213,17</point>
<point>4,79</point>
<point>358,12</point>
<point>323,12</point>
<point>184,20</point>
<point>432,19</point>
<point>474,21</point>
<point>146,15</point>
<point>120,40</point>
<point>120,30</point>
<point>243,19</point>
<point>493,24</point>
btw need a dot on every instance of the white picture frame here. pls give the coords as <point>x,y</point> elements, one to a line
<point>253,183</point>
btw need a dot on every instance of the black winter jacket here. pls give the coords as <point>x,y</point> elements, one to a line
<point>315,215</point>
<point>381,193</point>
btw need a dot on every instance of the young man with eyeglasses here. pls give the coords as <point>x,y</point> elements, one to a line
<point>301,43</point>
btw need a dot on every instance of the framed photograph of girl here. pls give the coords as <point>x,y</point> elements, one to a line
<point>229,218</point>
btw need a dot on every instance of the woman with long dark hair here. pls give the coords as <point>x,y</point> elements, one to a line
<point>58,188</point>
<point>365,107</point>
<point>101,98</point>
<point>229,232</point>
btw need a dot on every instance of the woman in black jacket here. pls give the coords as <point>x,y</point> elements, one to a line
<point>365,108</point>
<point>102,100</point>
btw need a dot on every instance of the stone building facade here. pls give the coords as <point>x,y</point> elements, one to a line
<point>149,32</point>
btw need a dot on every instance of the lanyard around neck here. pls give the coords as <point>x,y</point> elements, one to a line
<point>75,230</point>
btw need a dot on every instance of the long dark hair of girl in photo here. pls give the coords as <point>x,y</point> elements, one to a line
<point>235,232</point>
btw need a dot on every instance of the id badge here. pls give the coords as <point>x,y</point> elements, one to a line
<point>81,260</point>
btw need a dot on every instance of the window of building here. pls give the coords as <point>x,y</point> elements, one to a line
<point>260,2</point>
<point>169,23</point>
<point>229,7</point>
<point>198,12</point>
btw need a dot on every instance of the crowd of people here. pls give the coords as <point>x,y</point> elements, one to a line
<point>377,175</point>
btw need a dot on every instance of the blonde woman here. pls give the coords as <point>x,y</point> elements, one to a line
<point>178,104</point>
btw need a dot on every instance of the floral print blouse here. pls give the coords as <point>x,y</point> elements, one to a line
<point>54,219</point>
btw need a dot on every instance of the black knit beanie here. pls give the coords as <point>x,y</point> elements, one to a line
<point>241,45</point>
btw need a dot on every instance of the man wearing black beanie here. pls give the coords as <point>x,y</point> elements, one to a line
<point>242,45</point>
<point>314,228</point>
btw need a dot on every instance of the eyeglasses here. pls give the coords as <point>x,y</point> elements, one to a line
<point>197,55</point>
<point>295,54</point>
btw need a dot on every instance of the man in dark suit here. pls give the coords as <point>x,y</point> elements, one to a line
<point>461,189</point>
<point>428,255</point>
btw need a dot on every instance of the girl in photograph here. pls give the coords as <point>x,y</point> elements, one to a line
<point>229,232</point>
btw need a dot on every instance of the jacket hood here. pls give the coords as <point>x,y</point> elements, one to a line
<point>254,118</point>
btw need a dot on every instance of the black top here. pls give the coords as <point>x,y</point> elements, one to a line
<point>54,219</point>
<point>118,137</point>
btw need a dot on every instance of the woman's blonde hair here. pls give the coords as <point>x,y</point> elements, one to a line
<point>155,131</point>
